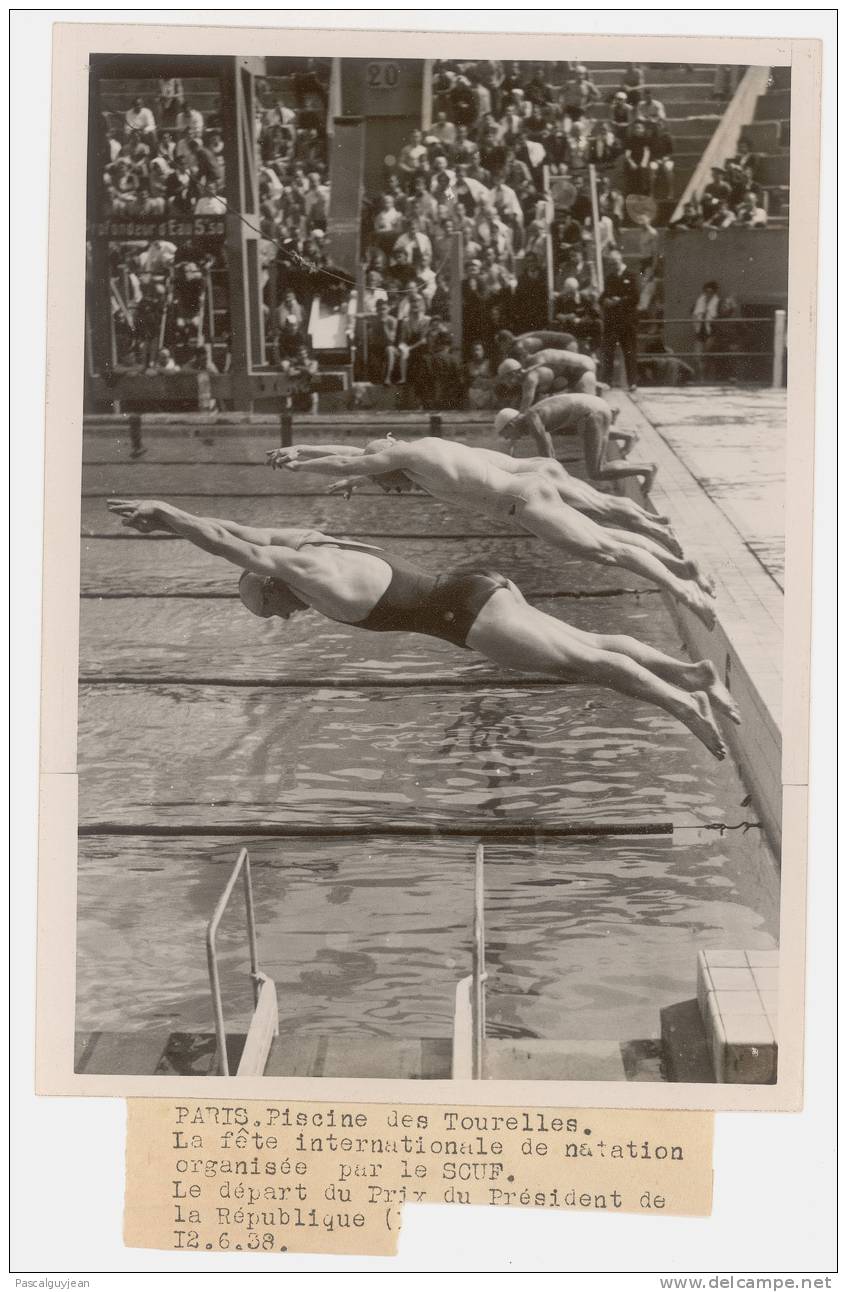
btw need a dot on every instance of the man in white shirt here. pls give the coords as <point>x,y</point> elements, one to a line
<point>411,153</point>
<point>190,120</point>
<point>210,202</point>
<point>506,202</point>
<point>440,172</point>
<point>388,218</point>
<point>140,120</point>
<point>412,245</point>
<point>749,214</point>
<point>443,130</point>
<point>650,109</point>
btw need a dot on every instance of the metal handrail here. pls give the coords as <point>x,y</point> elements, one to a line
<point>480,973</point>
<point>263,987</point>
<point>469,1011</point>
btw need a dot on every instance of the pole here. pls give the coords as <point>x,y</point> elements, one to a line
<point>595,220</point>
<point>779,340</point>
<point>457,271</point>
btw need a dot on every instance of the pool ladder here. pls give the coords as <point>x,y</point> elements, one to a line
<point>264,1023</point>
<point>468,1013</point>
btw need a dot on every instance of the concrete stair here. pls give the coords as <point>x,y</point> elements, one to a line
<point>117,96</point>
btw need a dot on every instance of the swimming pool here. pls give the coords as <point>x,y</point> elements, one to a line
<point>198,719</point>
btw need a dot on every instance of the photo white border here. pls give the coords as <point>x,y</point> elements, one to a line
<point>790,1227</point>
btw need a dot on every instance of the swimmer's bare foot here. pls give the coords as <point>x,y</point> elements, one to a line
<point>701,723</point>
<point>649,476</point>
<point>625,440</point>
<point>718,694</point>
<point>703,580</point>
<point>669,539</point>
<point>698,603</point>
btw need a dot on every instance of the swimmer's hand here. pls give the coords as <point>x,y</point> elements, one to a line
<point>345,486</point>
<point>283,457</point>
<point>141,516</point>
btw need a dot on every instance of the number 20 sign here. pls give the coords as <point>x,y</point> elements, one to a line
<point>383,75</point>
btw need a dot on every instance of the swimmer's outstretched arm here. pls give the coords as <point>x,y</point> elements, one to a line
<point>209,535</point>
<point>308,453</point>
<point>395,458</point>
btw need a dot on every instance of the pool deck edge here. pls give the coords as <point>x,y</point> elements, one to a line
<point>746,642</point>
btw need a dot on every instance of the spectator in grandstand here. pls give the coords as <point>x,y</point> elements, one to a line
<point>439,377</point>
<point>182,192</point>
<point>715,190</point>
<point>580,92</point>
<point>721,216</point>
<point>479,379</point>
<point>442,131</point>
<point>536,232</point>
<point>632,83</point>
<point>170,97</point>
<point>190,120</point>
<point>413,244</point>
<point>426,278</point>
<point>620,113</point>
<point>645,241</point>
<point>381,336</point>
<point>165,361</point>
<point>210,201</point>
<point>578,312</point>
<point>650,109</point>
<point>748,213</point>
<point>412,332</point>
<point>705,314</point>
<point>606,236</point>
<point>637,173</point>
<point>413,154</point>
<point>439,304</point>
<point>610,201</point>
<point>738,180</point>
<point>603,145</point>
<point>526,298</point>
<point>620,320</point>
<point>690,218</point>
<point>140,123</point>
<point>387,222</point>
<point>662,163</point>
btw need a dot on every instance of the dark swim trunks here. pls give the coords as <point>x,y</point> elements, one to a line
<point>445,606</point>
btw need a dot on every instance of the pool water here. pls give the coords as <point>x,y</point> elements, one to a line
<point>197,718</point>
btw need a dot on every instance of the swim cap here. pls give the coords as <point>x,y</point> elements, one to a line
<point>256,592</point>
<point>508,368</point>
<point>503,418</point>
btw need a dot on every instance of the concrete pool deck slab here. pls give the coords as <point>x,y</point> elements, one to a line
<point>747,643</point>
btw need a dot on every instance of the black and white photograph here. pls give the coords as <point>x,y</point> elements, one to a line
<point>432,568</point>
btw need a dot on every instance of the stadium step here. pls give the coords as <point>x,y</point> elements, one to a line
<point>774,106</point>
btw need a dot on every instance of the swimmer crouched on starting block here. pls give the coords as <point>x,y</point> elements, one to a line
<point>474,480</point>
<point>289,570</point>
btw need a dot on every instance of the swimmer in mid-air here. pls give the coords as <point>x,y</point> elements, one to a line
<point>290,570</point>
<point>589,417</point>
<point>471,480</point>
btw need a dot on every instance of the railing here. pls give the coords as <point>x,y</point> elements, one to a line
<point>469,1013</point>
<point>264,1024</point>
<point>724,141</point>
<point>705,354</point>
